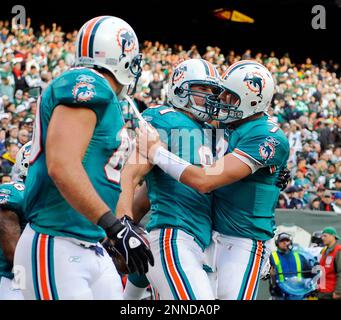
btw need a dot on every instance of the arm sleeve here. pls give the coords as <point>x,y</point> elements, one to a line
<point>262,149</point>
<point>85,89</point>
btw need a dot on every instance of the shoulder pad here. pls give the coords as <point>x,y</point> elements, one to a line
<point>83,87</point>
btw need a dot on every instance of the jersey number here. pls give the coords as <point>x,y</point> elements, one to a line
<point>118,159</point>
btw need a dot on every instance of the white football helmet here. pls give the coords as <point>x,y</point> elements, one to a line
<point>249,88</point>
<point>22,160</point>
<point>110,43</point>
<point>185,75</point>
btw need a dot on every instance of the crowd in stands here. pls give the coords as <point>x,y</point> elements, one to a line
<point>306,105</point>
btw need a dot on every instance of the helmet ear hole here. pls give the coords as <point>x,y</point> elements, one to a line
<point>126,66</point>
<point>253,103</point>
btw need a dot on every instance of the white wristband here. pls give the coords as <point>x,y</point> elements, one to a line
<point>170,163</point>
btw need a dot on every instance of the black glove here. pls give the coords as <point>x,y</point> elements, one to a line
<point>283,178</point>
<point>129,242</point>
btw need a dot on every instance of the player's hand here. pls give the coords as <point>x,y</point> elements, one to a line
<point>283,178</point>
<point>129,242</point>
<point>147,140</point>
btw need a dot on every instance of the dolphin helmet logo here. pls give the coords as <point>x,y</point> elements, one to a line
<point>126,41</point>
<point>255,82</point>
<point>178,74</point>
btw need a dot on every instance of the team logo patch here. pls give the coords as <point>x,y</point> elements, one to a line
<point>178,74</point>
<point>255,83</point>
<point>126,40</point>
<point>84,90</point>
<point>267,149</point>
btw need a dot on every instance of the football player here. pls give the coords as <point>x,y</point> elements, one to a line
<point>12,222</point>
<point>79,148</point>
<point>180,222</point>
<point>243,181</point>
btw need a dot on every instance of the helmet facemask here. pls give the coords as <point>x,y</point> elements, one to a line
<point>136,70</point>
<point>200,112</point>
<point>224,108</point>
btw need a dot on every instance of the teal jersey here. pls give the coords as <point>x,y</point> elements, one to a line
<point>174,204</point>
<point>246,207</point>
<point>11,198</point>
<point>46,209</point>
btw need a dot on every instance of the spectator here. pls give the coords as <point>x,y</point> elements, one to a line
<point>13,134</point>
<point>155,87</point>
<point>337,183</point>
<point>326,137</point>
<point>315,204</point>
<point>282,202</point>
<point>8,158</point>
<point>33,78</point>
<point>23,137</point>
<point>19,79</point>
<point>5,178</point>
<point>337,204</point>
<point>294,201</point>
<point>330,287</point>
<point>326,201</point>
<point>28,125</point>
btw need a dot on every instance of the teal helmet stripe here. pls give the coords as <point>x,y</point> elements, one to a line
<point>92,36</point>
<point>206,67</point>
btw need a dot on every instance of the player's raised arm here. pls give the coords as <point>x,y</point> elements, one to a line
<point>225,171</point>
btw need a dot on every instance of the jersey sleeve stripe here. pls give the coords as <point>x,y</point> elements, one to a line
<point>236,150</point>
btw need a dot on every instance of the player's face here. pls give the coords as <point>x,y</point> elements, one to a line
<point>203,92</point>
